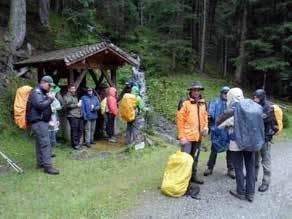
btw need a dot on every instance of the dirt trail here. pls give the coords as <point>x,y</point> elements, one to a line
<point>217,203</point>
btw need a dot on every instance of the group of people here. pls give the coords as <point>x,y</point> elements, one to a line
<point>195,121</point>
<point>82,112</point>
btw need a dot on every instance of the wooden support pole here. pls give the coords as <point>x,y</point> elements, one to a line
<point>100,79</point>
<point>71,76</point>
<point>114,76</point>
<point>40,73</point>
<point>93,76</point>
<point>80,79</point>
<point>109,81</point>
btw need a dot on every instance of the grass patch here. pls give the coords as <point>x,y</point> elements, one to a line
<point>164,92</point>
<point>91,188</point>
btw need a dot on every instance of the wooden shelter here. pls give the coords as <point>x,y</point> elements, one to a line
<point>74,64</point>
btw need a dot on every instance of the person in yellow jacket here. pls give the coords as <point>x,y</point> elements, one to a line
<point>192,125</point>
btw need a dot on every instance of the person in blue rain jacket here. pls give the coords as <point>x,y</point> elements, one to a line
<point>89,108</point>
<point>219,137</point>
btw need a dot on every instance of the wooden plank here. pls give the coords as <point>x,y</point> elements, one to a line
<point>40,73</point>
<point>109,81</point>
<point>80,79</point>
<point>114,76</point>
<point>100,80</point>
<point>79,66</point>
<point>71,76</point>
<point>93,76</point>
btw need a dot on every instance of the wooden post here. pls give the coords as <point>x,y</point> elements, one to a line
<point>100,79</point>
<point>93,76</point>
<point>80,79</point>
<point>71,77</point>
<point>114,76</point>
<point>40,73</point>
<point>109,81</point>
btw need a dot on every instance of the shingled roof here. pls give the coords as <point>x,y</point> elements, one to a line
<point>72,55</point>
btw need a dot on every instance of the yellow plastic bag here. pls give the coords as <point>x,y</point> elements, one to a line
<point>279,118</point>
<point>177,175</point>
<point>128,107</point>
<point>20,104</point>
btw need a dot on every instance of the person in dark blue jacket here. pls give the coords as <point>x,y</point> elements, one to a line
<point>90,107</point>
<point>219,137</point>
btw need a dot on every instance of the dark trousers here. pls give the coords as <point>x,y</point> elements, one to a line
<point>213,158</point>
<point>244,186</point>
<point>100,123</point>
<point>193,148</point>
<point>75,124</point>
<point>110,125</point>
<point>43,145</point>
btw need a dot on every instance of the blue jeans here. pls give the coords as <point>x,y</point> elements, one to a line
<point>53,137</point>
<point>244,186</point>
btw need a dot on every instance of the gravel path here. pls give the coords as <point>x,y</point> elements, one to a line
<point>216,202</point>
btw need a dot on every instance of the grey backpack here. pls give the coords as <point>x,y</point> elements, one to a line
<point>249,125</point>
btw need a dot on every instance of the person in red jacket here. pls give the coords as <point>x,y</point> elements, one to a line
<point>112,112</point>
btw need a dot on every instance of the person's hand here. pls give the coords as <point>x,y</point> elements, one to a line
<point>183,141</point>
<point>205,132</point>
<point>79,104</point>
<point>51,95</point>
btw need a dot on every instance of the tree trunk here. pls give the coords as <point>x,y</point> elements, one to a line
<point>17,23</point>
<point>265,81</point>
<point>241,62</point>
<point>58,5</point>
<point>225,57</point>
<point>140,12</point>
<point>195,25</point>
<point>173,62</point>
<point>203,40</point>
<point>44,8</point>
<point>211,18</point>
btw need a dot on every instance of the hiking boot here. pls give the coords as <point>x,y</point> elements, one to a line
<point>196,179</point>
<point>236,195</point>
<point>208,172</point>
<point>93,142</point>
<point>77,148</point>
<point>264,187</point>
<point>39,166</point>
<point>249,197</point>
<point>87,145</point>
<point>51,170</point>
<point>231,174</point>
<point>193,192</point>
<point>112,140</point>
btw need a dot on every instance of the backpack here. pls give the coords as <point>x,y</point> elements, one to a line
<point>103,106</point>
<point>279,118</point>
<point>20,106</point>
<point>249,125</point>
<point>128,107</point>
<point>177,174</point>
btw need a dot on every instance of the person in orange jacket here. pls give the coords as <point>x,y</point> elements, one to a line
<point>111,113</point>
<point>192,125</point>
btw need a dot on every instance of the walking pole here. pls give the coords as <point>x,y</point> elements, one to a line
<point>11,163</point>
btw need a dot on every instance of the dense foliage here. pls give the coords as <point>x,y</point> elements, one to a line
<point>248,41</point>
